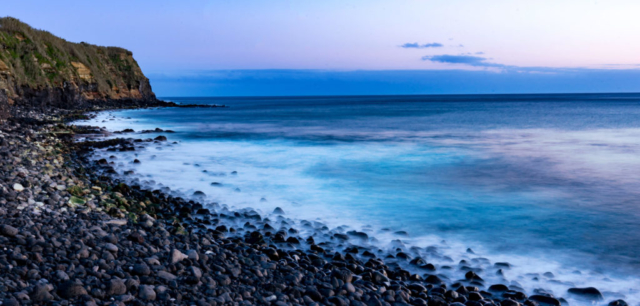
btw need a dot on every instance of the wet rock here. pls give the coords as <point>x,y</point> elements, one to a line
<point>618,303</point>
<point>589,293</point>
<point>545,300</point>
<point>379,278</point>
<point>160,138</point>
<point>498,288</point>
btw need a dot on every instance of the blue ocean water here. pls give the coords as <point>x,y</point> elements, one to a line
<point>530,179</point>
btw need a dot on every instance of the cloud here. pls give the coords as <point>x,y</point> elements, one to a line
<point>418,46</point>
<point>475,61</point>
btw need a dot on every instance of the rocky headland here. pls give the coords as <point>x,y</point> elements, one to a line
<point>71,233</point>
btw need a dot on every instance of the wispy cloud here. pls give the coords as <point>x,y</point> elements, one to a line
<point>475,61</point>
<point>419,46</point>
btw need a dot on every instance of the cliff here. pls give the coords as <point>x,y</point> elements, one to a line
<point>40,70</point>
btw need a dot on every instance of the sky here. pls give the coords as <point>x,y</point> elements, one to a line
<point>277,47</point>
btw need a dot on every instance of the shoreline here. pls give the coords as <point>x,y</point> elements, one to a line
<point>143,246</point>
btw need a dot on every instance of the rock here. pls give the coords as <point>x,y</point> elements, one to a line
<point>10,302</point>
<point>508,302</point>
<point>196,272</point>
<point>618,303</point>
<point>119,222</point>
<point>8,230</point>
<point>166,275</point>
<point>589,293</point>
<point>545,300</point>
<point>136,237</point>
<point>278,211</point>
<point>437,301</point>
<point>70,289</point>
<point>177,256</point>
<point>18,187</point>
<point>41,293</point>
<point>472,276</point>
<point>116,286</point>
<point>379,278</point>
<point>193,255</point>
<point>160,138</point>
<point>147,293</point>
<point>111,247</point>
<point>498,288</point>
<point>141,269</point>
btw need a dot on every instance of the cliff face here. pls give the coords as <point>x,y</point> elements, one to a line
<point>38,69</point>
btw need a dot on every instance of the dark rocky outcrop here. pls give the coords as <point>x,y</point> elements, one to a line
<point>39,70</point>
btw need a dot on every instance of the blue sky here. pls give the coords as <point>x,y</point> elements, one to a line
<point>198,47</point>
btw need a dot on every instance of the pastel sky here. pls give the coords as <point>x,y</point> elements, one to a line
<point>179,41</point>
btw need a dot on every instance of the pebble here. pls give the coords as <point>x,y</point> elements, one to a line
<point>8,230</point>
<point>18,187</point>
<point>177,256</point>
<point>147,293</point>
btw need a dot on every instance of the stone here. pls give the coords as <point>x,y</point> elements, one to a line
<point>166,275</point>
<point>196,272</point>
<point>589,293</point>
<point>18,187</point>
<point>618,303</point>
<point>141,269</point>
<point>147,293</point>
<point>8,230</point>
<point>193,255</point>
<point>41,293</point>
<point>380,278</point>
<point>116,286</point>
<point>70,289</point>
<point>545,300</point>
<point>177,256</point>
<point>111,247</point>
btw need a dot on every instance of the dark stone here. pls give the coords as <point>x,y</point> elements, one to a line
<point>141,269</point>
<point>437,301</point>
<point>41,293</point>
<point>589,293</point>
<point>545,300</point>
<point>8,230</point>
<point>498,288</point>
<point>70,289</point>
<point>116,286</point>
<point>618,303</point>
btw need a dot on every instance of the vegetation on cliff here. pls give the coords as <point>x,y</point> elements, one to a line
<point>37,67</point>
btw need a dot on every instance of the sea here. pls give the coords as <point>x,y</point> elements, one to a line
<point>548,183</point>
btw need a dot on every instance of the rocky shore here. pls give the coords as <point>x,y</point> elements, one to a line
<point>73,234</point>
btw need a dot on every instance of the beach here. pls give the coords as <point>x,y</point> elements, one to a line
<point>74,229</point>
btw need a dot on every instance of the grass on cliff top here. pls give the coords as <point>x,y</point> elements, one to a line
<point>39,59</point>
